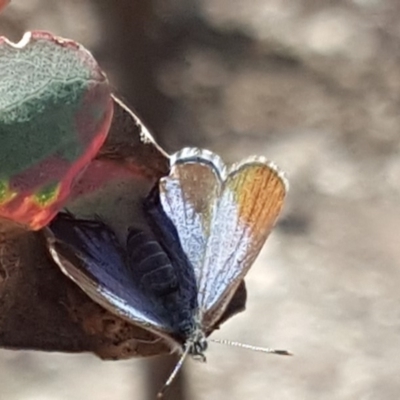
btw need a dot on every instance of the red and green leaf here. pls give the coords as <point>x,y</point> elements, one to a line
<point>55,113</point>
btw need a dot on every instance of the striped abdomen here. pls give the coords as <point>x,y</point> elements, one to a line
<point>159,278</point>
<point>150,264</point>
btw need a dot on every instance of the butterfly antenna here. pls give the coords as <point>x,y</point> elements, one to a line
<point>174,373</point>
<point>250,347</point>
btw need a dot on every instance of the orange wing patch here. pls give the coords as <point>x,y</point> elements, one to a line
<point>259,189</point>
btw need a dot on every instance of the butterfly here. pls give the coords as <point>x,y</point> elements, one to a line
<point>183,276</point>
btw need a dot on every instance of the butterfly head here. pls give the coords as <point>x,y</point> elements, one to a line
<point>197,343</point>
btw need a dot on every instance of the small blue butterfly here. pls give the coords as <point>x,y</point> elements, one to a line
<point>184,276</point>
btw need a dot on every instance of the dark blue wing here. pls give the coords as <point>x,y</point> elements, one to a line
<point>182,305</point>
<point>89,253</point>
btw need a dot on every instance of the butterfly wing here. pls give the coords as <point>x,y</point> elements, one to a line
<point>249,205</point>
<point>236,305</point>
<point>168,238</point>
<point>223,218</point>
<point>188,196</point>
<point>89,253</point>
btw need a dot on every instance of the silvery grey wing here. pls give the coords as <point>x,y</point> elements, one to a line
<point>188,196</point>
<point>249,204</point>
<point>223,218</point>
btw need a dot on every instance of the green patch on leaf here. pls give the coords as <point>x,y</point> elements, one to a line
<point>47,195</point>
<point>5,193</point>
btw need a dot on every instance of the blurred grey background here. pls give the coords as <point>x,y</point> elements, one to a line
<point>313,85</point>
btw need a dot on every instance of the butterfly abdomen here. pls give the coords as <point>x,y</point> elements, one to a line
<point>150,265</point>
<point>157,276</point>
